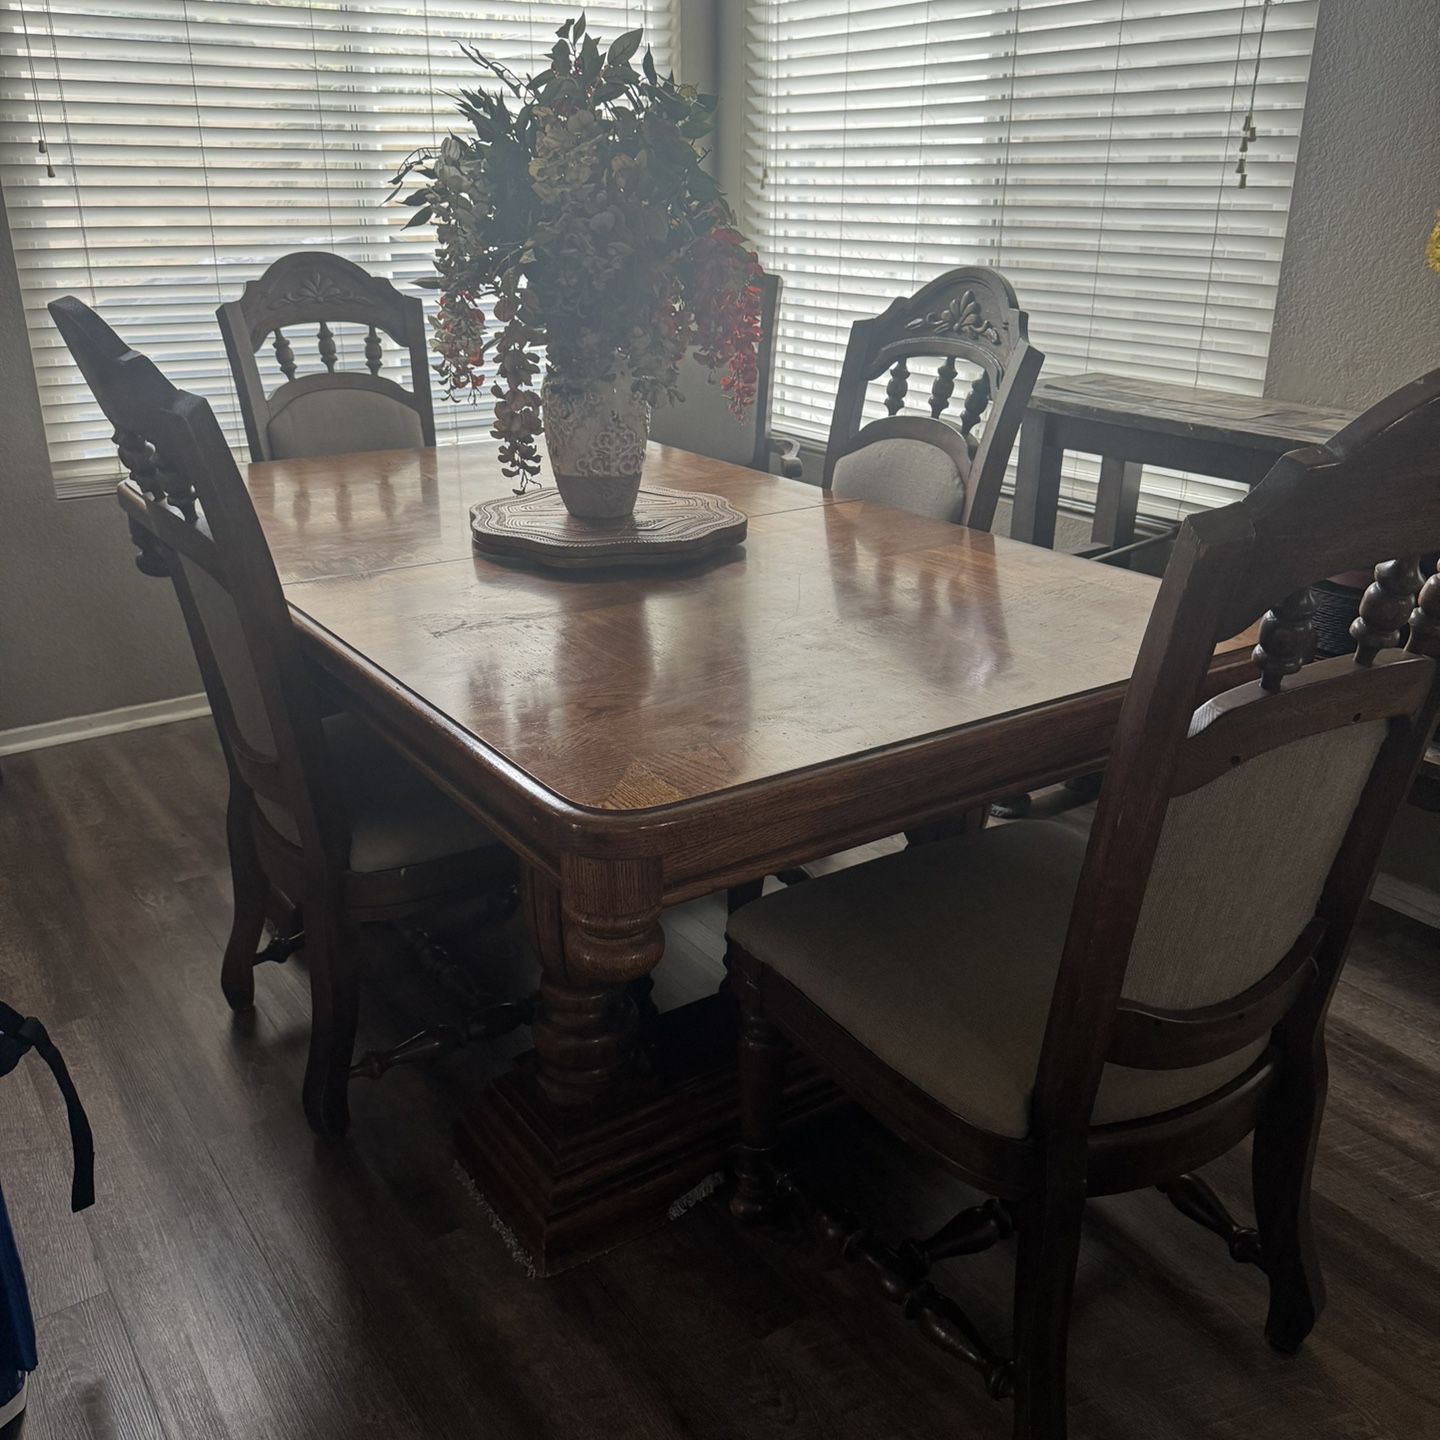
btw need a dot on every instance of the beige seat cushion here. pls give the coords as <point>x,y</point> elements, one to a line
<point>397,817</point>
<point>342,422</point>
<point>941,960</point>
<point>909,474</point>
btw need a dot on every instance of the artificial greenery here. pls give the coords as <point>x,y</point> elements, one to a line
<point>578,211</point>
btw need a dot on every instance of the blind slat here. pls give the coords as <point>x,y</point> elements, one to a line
<point>1087,148</point>
<point>196,141</point>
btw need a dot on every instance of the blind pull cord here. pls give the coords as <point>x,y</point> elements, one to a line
<point>44,146</point>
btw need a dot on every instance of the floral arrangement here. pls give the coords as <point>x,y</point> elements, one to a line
<point>577,213</point>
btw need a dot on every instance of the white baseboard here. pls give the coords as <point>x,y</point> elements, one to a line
<point>103,722</point>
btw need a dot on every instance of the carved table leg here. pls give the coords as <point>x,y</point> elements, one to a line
<point>583,1035</point>
<point>597,934</point>
<point>590,1138</point>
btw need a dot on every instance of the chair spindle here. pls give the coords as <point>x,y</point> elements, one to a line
<point>901,1278</point>
<point>137,455</point>
<point>1287,639</point>
<point>284,355</point>
<point>1385,607</point>
<point>976,399</point>
<point>898,388</point>
<point>372,351</point>
<point>1425,619</point>
<point>943,388</point>
<point>327,346</point>
<point>1194,1198</point>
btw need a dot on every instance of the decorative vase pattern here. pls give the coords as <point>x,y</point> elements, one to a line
<point>595,436</point>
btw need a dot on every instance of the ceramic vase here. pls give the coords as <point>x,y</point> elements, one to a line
<point>595,437</point>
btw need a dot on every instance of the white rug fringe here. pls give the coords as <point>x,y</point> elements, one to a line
<point>518,1253</point>
<point>692,1197</point>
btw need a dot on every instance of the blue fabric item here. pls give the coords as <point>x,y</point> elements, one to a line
<point>17,1328</point>
<point>19,1034</point>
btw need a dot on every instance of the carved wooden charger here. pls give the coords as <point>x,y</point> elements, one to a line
<point>668,527</point>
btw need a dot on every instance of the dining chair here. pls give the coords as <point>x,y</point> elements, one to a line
<point>945,469</point>
<point>924,462</point>
<point>331,411</point>
<point>320,809</point>
<point>1077,1019</point>
<point>703,421</point>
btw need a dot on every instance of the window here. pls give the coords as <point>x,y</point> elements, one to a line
<point>195,141</point>
<point>1087,148</point>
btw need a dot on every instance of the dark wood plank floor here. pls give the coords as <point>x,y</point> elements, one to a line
<point>237,1280</point>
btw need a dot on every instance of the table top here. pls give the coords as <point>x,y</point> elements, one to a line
<point>840,628</point>
<point>1191,411</point>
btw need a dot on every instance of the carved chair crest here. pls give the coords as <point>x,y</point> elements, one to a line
<point>94,345</point>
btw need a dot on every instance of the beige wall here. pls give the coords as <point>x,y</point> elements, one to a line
<point>1358,313</point>
<point>80,628</point>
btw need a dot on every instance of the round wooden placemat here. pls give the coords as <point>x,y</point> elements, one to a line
<point>667,527</point>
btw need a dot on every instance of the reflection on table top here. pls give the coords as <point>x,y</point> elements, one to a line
<point>838,628</point>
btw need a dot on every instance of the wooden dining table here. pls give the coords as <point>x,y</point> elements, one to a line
<point>640,738</point>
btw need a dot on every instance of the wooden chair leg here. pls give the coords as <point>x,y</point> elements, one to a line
<point>1013,807</point>
<point>1282,1162</point>
<point>763,1054</point>
<point>743,894</point>
<point>252,896</point>
<point>1046,1256</point>
<point>965,823</point>
<point>285,917</point>
<point>330,941</point>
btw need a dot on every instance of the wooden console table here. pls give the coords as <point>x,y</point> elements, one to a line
<point>1133,423</point>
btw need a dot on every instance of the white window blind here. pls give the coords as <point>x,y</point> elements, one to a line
<point>195,141</point>
<point>1087,148</point>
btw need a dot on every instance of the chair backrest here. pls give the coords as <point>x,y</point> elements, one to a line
<point>1234,844</point>
<point>193,520</point>
<point>703,421</point>
<point>332,411</point>
<point>968,316</point>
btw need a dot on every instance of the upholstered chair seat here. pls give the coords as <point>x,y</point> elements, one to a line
<point>397,818</point>
<point>941,961</point>
<point>920,476</point>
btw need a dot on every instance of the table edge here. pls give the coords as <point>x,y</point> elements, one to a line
<point>542,824</point>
